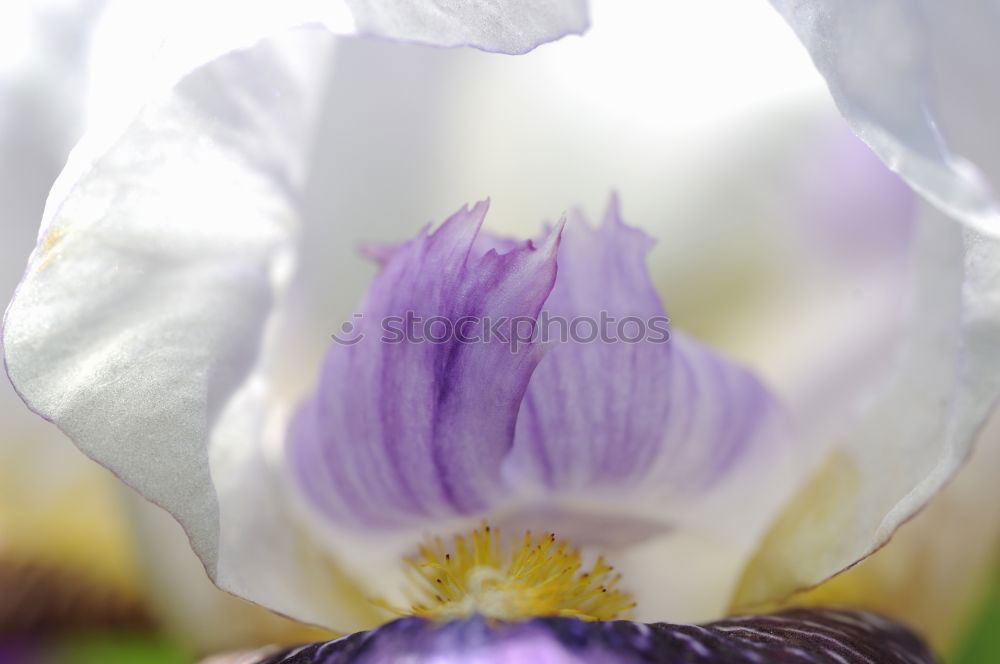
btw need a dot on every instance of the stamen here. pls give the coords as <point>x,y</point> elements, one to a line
<point>541,577</point>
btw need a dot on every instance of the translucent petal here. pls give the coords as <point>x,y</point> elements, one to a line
<point>915,79</point>
<point>937,389</point>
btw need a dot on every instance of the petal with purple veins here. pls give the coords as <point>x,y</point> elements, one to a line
<point>402,424</point>
<point>607,411</point>
<point>662,427</point>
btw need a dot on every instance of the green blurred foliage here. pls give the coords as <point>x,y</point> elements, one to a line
<point>112,648</point>
<point>981,644</point>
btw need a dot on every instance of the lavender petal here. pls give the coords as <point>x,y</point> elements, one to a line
<point>401,430</point>
<point>611,412</point>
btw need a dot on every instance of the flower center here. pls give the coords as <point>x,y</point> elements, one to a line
<point>541,577</point>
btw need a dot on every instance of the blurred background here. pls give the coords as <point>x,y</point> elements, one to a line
<point>722,143</point>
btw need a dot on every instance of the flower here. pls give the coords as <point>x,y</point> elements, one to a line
<point>151,327</point>
<point>608,460</point>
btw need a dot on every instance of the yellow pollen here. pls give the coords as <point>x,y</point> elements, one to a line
<point>541,577</point>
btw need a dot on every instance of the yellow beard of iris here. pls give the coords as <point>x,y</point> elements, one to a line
<point>542,577</point>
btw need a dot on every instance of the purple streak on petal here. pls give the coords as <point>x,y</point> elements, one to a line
<point>608,414</point>
<point>402,430</point>
<point>800,635</point>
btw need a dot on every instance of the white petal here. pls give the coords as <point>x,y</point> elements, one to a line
<point>139,323</point>
<point>507,26</point>
<point>937,390</point>
<point>917,81</point>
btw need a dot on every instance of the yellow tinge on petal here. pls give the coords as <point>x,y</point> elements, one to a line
<point>805,538</point>
<point>542,577</point>
<point>932,574</point>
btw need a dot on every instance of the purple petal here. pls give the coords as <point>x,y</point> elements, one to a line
<point>400,430</point>
<point>614,411</point>
<point>822,636</point>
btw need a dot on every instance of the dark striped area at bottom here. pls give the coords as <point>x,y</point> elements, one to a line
<point>801,636</point>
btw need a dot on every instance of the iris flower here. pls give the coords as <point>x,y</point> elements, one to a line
<point>152,327</point>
